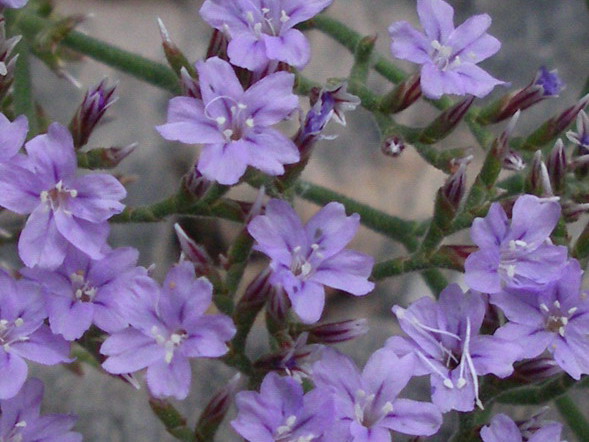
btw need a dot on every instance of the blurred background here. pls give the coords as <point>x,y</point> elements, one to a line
<point>534,33</point>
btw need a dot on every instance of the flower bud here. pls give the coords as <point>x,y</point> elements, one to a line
<point>278,304</point>
<point>455,186</point>
<point>7,60</point>
<point>196,184</point>
<point>105,158</point>
<point>513,161</point>
<point>553,127</point>
<point>218,45</point>
<point>546,84</point>
<point>392,146</point>
<point>538,181</point>
<point>176,59</point>
<point>258,291</point>
<point>295,357</point>
<point>336,332</point>
<point>557,166</point>
<point>217,408</point>
<point>402,96</point>
<point>189,83</point>
<point>193,252</point>
<point>572,210</point>
<point>581,136</point>
<point>536,370</point>
<point>445,123</point>
<point>96,101</point>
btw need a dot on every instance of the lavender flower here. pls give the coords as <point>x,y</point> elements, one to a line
<point>444,338</point>
<point>168,326</point>
<point>282,412</point>
<point>65,210</point>
<point>503,428</point>
<point>83,291</point>
<point>263,30</point>
<point>233,124</point>
<point>21,420</point>
<point>448,55</point>
<point>555,319</point>
<point>23,334</point>
<point>366,404</point>
<point>305,258</point>
<point>12,136</point>
<point>517,254</point>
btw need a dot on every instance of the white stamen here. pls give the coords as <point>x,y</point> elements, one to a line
<point>228,133</point>
<point>461,383</point>
<point>297,249</point>
<point>561,331</point>
<point>544,308</point>
<point>557,304</point>
<point>249,16</point>
<point>249,122</point>
<point>283,17</point>
<point>572,310</point>
<point>242,106</point>
<point>387,408</point>
<point>510,268</point>
<point>221,120</point>
<point>448,384</point>
<point>21,424</point>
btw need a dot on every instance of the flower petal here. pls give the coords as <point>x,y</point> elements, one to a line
<point>188,123</point>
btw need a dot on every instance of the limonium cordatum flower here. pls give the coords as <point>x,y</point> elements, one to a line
<point>168,326</point>
<point>444,336</point>
<point>366,403</point>
<point>282,412</point>
<point>502,428</point>
<point>82,291</point>
<point>448,55</point>
<point>233,124</point>
<point>516,254</point>
<point>23,334</point>
<point>65,210</point>
<point>21,420</point>
<point>307,258</point>
<point>263,30</point>
<point>555,318</point>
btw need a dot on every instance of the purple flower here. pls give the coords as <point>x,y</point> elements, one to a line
<point>233,124</point>
<point>23,334</point>
<point>503,428</point>
<point>445,338</point>
<point>83,291</point>
<point>366,404</point>
<point>517,254</point>
<point>448,55</point>
<point>66,210</point>
<point>549,81</point>
<point>21,420</point>
<point>168,326</point>
<point>263,30</point>
<point>305,258</point>
<point>282,412</point>
<point>12,136</point>
<point>556,318</point>
<point>13,3</point>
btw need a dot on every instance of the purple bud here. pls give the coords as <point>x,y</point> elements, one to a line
<point>392,146</point>
<point>217,408</point>
<point>446,121</point>
<point>513,161</point>
<point>455,186</point>
<point>218,45</point>
<point>538,181</point>
<point>550,82</point>
<point>557,165</point>
<point>536,370</point>
<point>278,304</point>
<point>336,332</point>
<point>193,252</point>
<point>96,101</point>
<point>196,184</point>
<point>295,357</point>
<point>190,85</point>
<point>176,59</point>
<point>572,210</point>
<point>258,291</point>
<point>402,96</point>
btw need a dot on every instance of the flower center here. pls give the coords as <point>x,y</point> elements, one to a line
<point>301,265</point>
<point>170,343</point>
<point>265,21</point>
<point>84,291</point>
<point>555,320</point>
<point>9,332</point>
<point>284,432</point>
<point>15,433</point>
<point>237,124</point>
<point>365,411</point>
<point>58,196</point>
<point>442,56</point>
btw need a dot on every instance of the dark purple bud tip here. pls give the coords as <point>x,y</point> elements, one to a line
<point>337,332</point>
<point>551,83</point>
<point>392,146</point>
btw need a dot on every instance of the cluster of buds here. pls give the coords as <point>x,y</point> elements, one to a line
<point>445,123</point>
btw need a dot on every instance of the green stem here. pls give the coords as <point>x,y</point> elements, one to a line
<point>398,266</point>
<point>537,395</point>
<point>573,417</point>
<point>140,67</point>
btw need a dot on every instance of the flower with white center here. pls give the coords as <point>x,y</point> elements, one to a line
<point>168,326</point>
<point>444,337</point>
<point>448,55</point>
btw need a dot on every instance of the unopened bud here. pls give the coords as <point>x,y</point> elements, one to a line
<point>572,210</point>
<point>278,304</point>
<point>336,332</point>
<point>581,136</point>
<point>218,45</point>
<point>196,184</point>
<point>295,356</point>
<point>258,291</point>
<point>513,161</point>
<point>96,101</point>
<point>190,85</point>
<point>193,252</point>
<point>176,59</point>
<point>402,96</point>
<point>392,146</point>
<point>538,181</point>
<point>553,127</point>
<point>105,158</point>
<point>557,165</point>
<point>455,187</point>
<point>217,408</point>
<point>536,370</point>
<point>445,123</point>
<point>546,84</point>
